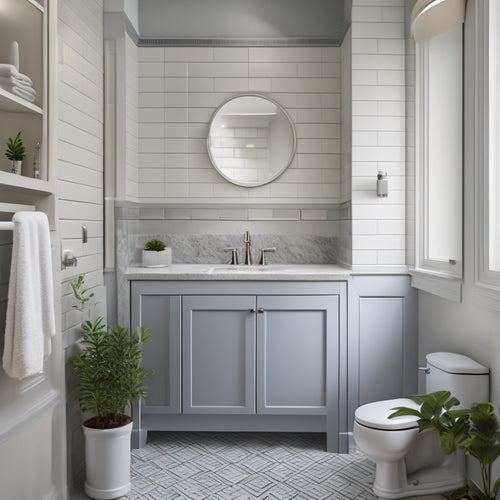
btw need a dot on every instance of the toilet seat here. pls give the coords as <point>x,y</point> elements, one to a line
<point>376,415</point>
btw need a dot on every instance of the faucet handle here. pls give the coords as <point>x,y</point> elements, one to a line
<point>263,254</point>
<point>234,255</point>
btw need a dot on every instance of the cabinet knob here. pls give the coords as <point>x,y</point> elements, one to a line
<point>260,310</point>
<point>252,310</point>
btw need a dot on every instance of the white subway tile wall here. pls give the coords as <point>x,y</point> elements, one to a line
<point>378,132</point>
<point>181,87</point>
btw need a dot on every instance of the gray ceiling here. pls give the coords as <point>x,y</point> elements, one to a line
<point>243,18</point>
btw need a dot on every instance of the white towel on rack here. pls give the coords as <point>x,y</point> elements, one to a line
<point>30,322</point>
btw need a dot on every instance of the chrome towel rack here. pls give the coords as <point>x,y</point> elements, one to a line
<point>6,226</point>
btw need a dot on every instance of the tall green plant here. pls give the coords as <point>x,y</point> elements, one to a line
<point>109,368</point>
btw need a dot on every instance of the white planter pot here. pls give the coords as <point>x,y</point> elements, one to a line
<point>107,461</point>
<point>16,166</point>
<point>150,258</point>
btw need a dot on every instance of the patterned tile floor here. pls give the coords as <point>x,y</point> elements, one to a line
<point>245,466</point>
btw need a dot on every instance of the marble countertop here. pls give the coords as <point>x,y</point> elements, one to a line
<point>271,272</point>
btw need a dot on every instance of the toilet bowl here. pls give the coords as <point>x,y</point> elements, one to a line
<point>409,463</point>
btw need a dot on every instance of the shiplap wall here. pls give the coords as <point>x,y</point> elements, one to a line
<point>378,132</point>
<point>180,89</point>
<point>80,180</point>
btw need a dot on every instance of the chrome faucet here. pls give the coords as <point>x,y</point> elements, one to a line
<point>248,249</point>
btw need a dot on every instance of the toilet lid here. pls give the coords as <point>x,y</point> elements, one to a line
<point>455,363</point>
<point>376,415</point>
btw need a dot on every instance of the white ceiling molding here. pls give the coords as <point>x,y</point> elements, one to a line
<point>433,17</point>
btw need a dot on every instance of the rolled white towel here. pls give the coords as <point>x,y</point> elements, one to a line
<point>9,70</point>
<point>28,96</point>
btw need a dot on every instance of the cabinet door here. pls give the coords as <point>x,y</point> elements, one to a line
<point>162,352</point>
<point>383,344</point>
<point>219,354</point>
<point>297,349</point>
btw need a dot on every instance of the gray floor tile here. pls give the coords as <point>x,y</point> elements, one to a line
<point>245,466</point>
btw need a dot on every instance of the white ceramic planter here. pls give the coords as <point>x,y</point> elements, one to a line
<point>16,166</point>
<point>150,258</point>
<point>107,462</point>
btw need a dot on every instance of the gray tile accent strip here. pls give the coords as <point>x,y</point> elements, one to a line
<point>142,211</point>
<point>238,42</point>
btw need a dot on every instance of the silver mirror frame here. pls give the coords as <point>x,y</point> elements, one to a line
<point>282,169</point>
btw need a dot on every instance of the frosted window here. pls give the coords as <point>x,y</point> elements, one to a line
<point>444,165</point>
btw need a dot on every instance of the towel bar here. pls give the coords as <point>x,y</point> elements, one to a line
<point>6,226</point>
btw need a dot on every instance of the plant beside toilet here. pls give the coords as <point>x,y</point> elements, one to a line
<point>475,430</point>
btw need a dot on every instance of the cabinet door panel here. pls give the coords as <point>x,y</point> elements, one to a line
<point>219,354</point>
<point>294,335</point>
<point>381,348</point>
<point>162,352</point>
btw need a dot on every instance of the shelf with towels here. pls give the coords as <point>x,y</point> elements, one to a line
<point>14,104</point>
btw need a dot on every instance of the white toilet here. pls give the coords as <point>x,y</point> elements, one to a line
<point>409,463</point>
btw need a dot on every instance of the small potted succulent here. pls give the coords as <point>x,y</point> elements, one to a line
<point>156,254</point>
<point>15,152</point>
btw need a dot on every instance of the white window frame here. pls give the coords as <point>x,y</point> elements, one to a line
<point>486,290</point>
<point>437,277</point>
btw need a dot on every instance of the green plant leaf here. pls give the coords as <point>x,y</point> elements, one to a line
<point>155,245</point>
<point>15,148</point>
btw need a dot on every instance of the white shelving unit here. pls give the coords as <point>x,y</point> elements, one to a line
<point>26,22</point>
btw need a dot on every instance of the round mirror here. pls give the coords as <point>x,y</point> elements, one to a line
<point>251,140</point>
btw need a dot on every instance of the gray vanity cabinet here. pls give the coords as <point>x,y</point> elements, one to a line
<point>243,356</point>
<point>219,354</point>
<point>162,353</point>
<point>293,337</point>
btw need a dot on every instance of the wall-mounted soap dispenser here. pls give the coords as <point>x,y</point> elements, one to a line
<point>382,184</point>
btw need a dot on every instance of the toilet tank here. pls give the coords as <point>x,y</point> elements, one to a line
<point>466,379</point>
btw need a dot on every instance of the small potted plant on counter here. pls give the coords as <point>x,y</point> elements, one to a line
<point>476,431</point>
<point>111,376</point>
<point>16,152</point>
<point>156,254</point>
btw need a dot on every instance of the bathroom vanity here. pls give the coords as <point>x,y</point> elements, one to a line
<point>243,348</point>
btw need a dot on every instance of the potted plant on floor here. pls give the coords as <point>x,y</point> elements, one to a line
<point>15,152</point>
<point>111,376</point>
<point>475,430</point>
<point>156,254</point>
